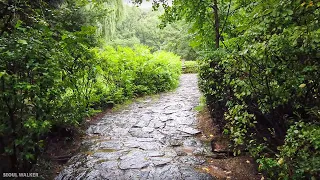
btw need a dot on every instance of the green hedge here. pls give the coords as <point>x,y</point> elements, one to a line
<point>124,73</point>
<point>190,67</point>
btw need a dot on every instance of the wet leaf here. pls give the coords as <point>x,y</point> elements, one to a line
<point>302,85</point>
<point>22,41</point>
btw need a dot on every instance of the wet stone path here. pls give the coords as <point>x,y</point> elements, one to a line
<point>151,139</point>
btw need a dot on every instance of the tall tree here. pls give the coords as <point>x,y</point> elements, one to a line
<point>203,14</point>
<point>142,26</point>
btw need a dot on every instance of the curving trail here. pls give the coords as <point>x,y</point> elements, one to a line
<point>152,139</point>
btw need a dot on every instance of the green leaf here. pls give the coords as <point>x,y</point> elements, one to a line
<point>65,36</point>
<point>22,41</point>
<point>29,156</point>
<point>302,85</point>
<point>2,73</point>
<point>18,24</point>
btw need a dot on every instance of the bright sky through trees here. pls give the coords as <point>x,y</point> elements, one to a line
<point>145,4</point>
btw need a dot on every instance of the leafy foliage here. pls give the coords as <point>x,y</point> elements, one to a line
<point>52,73</point>
<point>141,26</point>
<point>299,156</point>
<point>190,67</point>
<point>124,72</point>
<point>262,86</point>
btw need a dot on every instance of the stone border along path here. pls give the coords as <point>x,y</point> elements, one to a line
<point>153,139</point>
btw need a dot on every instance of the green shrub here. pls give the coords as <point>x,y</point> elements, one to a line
<point>299,157</point>
<point>46,85</point>
<point>43,86</point>
<point>263,86</point>
<point>190,67</point>
<point>137,71</point>
<point>213,85</point>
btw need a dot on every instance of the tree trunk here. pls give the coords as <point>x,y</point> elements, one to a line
<point>216,28</point>
<point>216,22</point>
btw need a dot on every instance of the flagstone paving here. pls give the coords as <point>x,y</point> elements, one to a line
<point>150,139</point>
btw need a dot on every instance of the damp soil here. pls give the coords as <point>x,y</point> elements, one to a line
<point>224,166</point>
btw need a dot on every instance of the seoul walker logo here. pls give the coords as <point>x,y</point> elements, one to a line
<point>22,175</point>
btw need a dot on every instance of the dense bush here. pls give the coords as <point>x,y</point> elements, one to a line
<point>125,72</point>
<point>52,75</point>
<point>263,88</point>
<point>38,95</point>
<point>38,69</point>
<point>299,157</point>
<point>190,67</point>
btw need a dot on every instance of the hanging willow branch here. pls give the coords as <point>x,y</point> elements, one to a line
<point>113,12</point>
